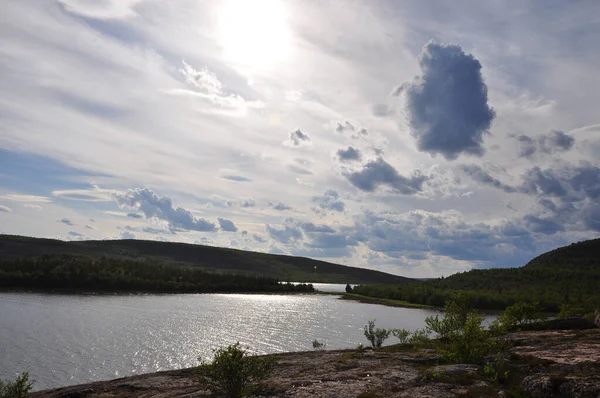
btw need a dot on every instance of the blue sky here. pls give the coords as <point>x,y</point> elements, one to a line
<point>417,138</point>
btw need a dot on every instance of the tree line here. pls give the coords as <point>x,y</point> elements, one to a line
<point>104,274</point>
<point>497,289</point>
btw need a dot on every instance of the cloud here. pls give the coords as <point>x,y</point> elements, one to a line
<point>34,207</point>
<point>551,143</point>
<point>349,154</point>
<point>66,221</point>
<point>227,225</point>
<point>236,178</point>
<point>151,205</point>
<point>135,215</point>
<point>538,181</point>
<point>127,235</point>
<point>87,226</point>
<point>248,203</point>
<point>75,234</point>
<point>447,105</point>
<point>202,79</point>
<point>287,234</point>
<point>478,174</point>
<point>280,206</point>
<point>544,226</point>
<point>298,138</point>
<point>330,201</point>
<point>5,209</point>
<point>259,238</point>
<point>106,9</point>
<point>346,127</point>
<point>25,198</point>
<point>378,172</point>
<point>95,194</point>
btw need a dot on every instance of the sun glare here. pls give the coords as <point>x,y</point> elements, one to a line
<point>254,34</point>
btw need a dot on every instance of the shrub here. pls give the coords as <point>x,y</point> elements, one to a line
<point>516,315</point>
<point>419,336</point>
<point>569,311</point>
<point>376,336</point>
<point>470,344</point>
<point>232,371</point>
<point>18,388</point>
<point>401,334</point>
<point>317,345</point>
<point>455,316</point>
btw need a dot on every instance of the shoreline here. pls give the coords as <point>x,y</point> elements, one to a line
<point>390,371</point>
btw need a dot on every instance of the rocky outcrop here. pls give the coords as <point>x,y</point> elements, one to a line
<point>541,364</point>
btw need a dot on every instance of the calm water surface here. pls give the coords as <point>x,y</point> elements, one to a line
<point>71,339</point>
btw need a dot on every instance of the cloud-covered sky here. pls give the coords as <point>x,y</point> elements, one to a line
<point>417,138</point>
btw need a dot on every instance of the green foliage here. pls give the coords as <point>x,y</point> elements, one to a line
<point>401,334</point>
<point>455,317</point>
<point>70,272</point>
<point>348,288</point>
<point>564,276</point>
<point>360,347</point>
<point>17,388</point>
<point>232,371</point>
<point>419,337</point>
<point>569,311</point>
<point>517,315</point>
<point>468,344</point>
<point>497,370</point>
<point>376,336</point>
<point>317,345</point>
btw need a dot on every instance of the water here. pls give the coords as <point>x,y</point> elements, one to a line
<point>71,339</point>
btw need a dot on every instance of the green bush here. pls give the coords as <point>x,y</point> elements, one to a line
<point>469,344</point>
<point>419,336</point>
<point>517,315</point>
<point>18,388</point>
<point>232,371</point>
<point>376,336</point>
<point>401,334</point>
<point>317,345</point>
<point>569,311</point>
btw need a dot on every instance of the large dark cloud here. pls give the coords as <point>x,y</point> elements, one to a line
<point>551,143</point>
<point>349,154</point>
<point>378,172</point>
<point>330,201</point>
<point>478,174</point>
<point>151,205</point>
<point>447,105</point>
<point>546,182</point>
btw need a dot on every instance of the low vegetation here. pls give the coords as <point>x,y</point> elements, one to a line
<point>233,372</point>
<point>376,336</point>
<point>18,388</point>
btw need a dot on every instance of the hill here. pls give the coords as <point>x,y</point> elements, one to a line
<point>568,275</point>
<point>285,268</point>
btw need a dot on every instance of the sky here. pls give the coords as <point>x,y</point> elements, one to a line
<point>416,138</point>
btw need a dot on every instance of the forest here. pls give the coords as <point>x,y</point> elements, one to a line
<point>568,275</point>
<point>65,272</point>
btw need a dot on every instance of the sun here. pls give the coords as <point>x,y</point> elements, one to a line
<point>255,34</point>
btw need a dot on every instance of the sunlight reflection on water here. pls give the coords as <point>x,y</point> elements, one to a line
<point>70,339</point>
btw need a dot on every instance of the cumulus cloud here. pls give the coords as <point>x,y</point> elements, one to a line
<point>202,79</point>
<point>286,234</point>
<point>227,225</point>
<point>551,143</point>
<point>75,234</point>
<point>280,206</point>
<point>345,127</point>
<point>5,209</point>
<point>546,182</point>
<point>378,172</point>
<point>66,221</point>
<point>34,207</point>
<point>478,174</point>
<point>330,201</point>
<point>298,138</point>
<point>127,235</point>
<point>248,203</point>
<point>151,205</point>
<point>349,154</point>
<point>447,105</point>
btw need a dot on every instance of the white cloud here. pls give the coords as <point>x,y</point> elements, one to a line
<point>5,209</point>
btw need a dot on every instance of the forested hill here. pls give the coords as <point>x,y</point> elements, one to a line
<point>285,268</point>
<point>568,275</point>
